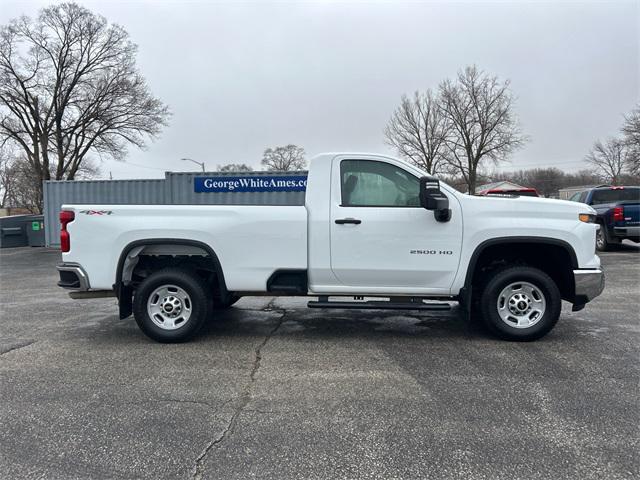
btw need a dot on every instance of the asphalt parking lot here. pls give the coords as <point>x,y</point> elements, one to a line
<point>273,390</point>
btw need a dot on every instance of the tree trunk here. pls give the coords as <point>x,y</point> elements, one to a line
<point>39,206</point>
<point>472,181</point>
<point>44,152</point>
<point>60,151</point>
<point>73,169</point>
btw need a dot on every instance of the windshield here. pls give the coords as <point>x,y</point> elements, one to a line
<point>613,195</point>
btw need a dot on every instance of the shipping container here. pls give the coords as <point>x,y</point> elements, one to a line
<point>177,188</point>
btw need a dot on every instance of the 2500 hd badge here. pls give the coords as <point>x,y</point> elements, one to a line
<point>431,252</point>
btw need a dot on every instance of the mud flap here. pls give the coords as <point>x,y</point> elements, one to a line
<point>125,300</point>
<point>464,300</point>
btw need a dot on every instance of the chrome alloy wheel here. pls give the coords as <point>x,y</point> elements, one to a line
<point>521,305</point>
<point>601,241</point>
<point>169,307</point>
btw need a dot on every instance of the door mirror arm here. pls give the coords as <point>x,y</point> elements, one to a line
<point>432,198</point>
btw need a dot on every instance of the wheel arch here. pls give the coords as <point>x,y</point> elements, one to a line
<point>512,248</point>
<point>122,286</point>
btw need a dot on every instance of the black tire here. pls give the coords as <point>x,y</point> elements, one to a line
<point>199,304</point>
<point>505,277</point>
<point>603,242</point>
<point>219,304</point>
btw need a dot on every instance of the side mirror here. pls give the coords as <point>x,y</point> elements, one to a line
<point>432,198</point>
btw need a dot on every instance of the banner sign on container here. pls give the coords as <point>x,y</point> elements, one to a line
<point>251,183</point>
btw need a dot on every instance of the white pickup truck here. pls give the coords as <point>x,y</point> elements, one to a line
<point>371,228</point>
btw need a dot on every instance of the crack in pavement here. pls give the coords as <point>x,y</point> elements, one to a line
<point>210,405</point>
<point>244,399</point>
<point>16,346</point>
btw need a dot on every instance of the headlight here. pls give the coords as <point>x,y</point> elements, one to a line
<point>587,217</point>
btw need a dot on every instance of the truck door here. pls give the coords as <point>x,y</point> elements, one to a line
<point>382,240</point>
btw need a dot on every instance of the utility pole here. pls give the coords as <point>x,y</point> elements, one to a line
<point>194,161</point>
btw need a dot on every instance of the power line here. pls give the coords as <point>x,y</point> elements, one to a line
<point>144,166</point>
<point>546,165</point>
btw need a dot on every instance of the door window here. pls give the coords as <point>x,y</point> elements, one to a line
<point>583,196</point>
<point>369,183</point>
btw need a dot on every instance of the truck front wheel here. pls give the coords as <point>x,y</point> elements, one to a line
<point>520,303</point>
<point>171,305</point>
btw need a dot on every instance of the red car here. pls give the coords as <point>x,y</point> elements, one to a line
<point>522,192</point>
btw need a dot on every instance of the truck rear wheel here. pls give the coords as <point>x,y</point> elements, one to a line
<point>171,305</point>
<point>520,303</point>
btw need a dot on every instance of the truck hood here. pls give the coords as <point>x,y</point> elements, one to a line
<point>529,206</point>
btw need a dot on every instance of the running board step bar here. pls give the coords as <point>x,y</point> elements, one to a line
<point>80,295</point>
<point>412,304</point>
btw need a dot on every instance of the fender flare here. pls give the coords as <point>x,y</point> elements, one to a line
<point>123,290</point>
<point>465,292</point>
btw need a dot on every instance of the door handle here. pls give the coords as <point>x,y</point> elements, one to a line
<point>342,221</point>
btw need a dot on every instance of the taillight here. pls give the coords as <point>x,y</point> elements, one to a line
<point>66,216</point>
<point>618,214</point>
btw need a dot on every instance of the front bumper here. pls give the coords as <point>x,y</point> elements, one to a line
<point>73,277</point>
<point>589,284</point>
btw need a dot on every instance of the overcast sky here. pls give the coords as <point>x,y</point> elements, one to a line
<point>243,76</point>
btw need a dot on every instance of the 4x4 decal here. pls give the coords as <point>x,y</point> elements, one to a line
<point>96,212</point>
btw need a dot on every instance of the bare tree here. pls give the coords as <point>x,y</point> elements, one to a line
<point>69,87</point>
<point>609,159</point>
<point>479,109</point>
<point>283,159</point>
<point>418,131</point>
<point>547,181</point>
<point>235,167</point>
<point>631,127</point>
<point>20,185</point>
<point>23,190</point>
<point>581,178</point>
<point>6,177</point>
<point>631,135</point>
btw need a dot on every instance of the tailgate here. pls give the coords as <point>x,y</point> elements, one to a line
<point>631,214</point>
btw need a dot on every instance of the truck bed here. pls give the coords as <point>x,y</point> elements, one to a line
<point>256,240</point>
